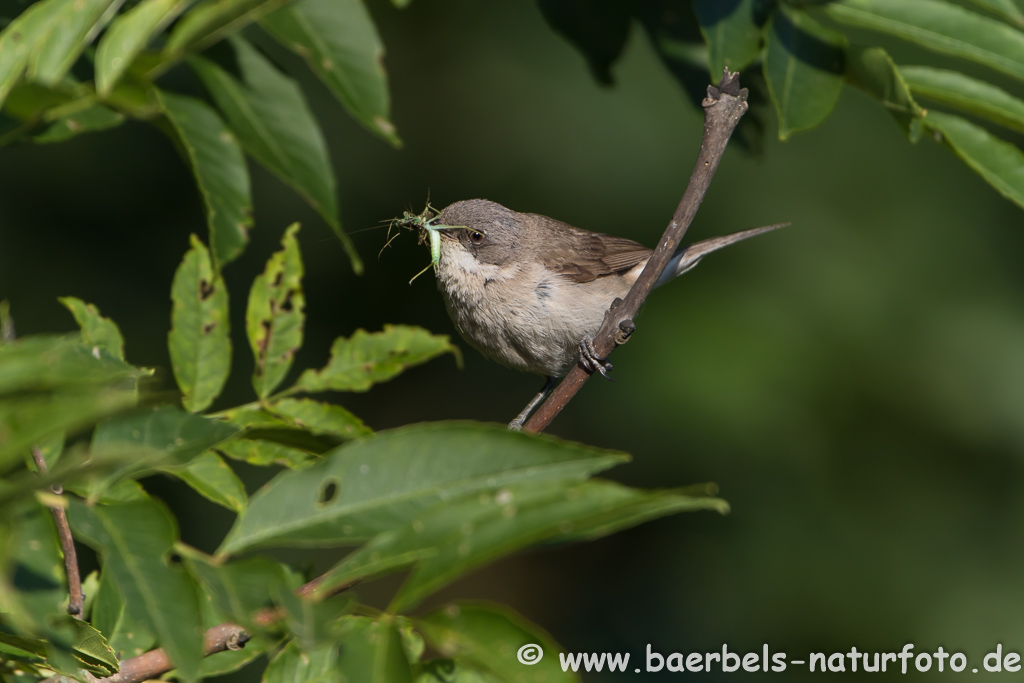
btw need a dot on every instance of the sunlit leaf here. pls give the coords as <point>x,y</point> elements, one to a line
<point>199,341</point>
<point>96,330</point>
<point>380,482</point>
<point>954,89</point>
<point>135,541</point>
<point>18,38</point>
<point>372,652</point>
<point>368,358</point>
<point>214,479</point>
<point>275,315</point>
<point>803,64</point>
<point>261,453</point>
<point>219,167</point>
<point>339,41</point>
<point>72,25</point>
<point>940,26</point>
<point>732,29</point>
<point>321,418</point>
<point>128,35</point>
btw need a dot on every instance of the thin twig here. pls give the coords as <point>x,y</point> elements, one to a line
<point>67,542</point>
<point>723,108</point>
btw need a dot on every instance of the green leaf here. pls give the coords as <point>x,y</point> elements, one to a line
<point>339,41</point>
<point>597,28</point>
<point>321,418</point>
<point>96,330</point>
<point>366,358</point>
<point>452,539</point>
<point>72,25</point>
<point>18,39</point>
<point>85,648</point>
<point>489,637</point>
<point>89,120</point>
<point>214,479</point>
<point>312,623</point>
<point>275,317</point>
<point>1006,9</point>
<point>385,481</point>
<point>239,589</point>
<point>803,64</point>
<point>219,167</point>
<point>128,35</point>
<point>269,114</point>
<point>262,453</point>
<point>939,26</point>
<point>125,634</point>
<point>732,30</point>
<point>998,162</point>
<point>372,652</point>
<point>199,341</point>
<point>872,70</point>
<point>211,20</point>
<point>93,651</point>
<point>47,363</point>
<point>976,97</point>
<point>36,572</point>
<point>135,541</point>
<point>448,671</point>
<point>292,665</point>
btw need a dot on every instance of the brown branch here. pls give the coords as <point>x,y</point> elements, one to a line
<point>723,108</point>
<point>67,543</point>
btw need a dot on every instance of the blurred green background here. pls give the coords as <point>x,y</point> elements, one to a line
<point>853,383</point>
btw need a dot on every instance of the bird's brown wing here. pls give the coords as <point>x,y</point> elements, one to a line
<point>583,256</point>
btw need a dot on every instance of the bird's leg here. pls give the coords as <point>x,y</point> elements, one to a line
<point>592,362</point>
<point>517,424</point>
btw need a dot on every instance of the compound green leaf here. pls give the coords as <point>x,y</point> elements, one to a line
<point>71,26</point>
<point>275,316</point>
<point>321,418</point>
<point>732,30</point>
<point>268,113</point>
<point>135,541</point>
<point>372,652</point>
<point>221,174</point>
<point>211,20</point>
<point>96,330</point>
<point>968,94</point>
<point>803,65</point>
<point>489,637</point>
<point>339,41</point>
<point>199,341</point>
<point>997,161</point>
<point>873,71</point>
<point>384,481</point>
<point>940,26</point>
<point>214,479</point>
<point>368,358</point>
<point>128,35</point>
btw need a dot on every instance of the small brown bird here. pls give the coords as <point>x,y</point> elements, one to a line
<point>530,292</point>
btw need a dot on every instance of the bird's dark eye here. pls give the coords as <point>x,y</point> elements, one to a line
<point>476,236</point>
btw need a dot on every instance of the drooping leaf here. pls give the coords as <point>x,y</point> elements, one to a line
<point>96,330</point>
<point>291,665</point>
<point>321,418</point>
<point>940,26</point>
<point>128,35</point>
<point>269,114</point>
<point>339,41</point>
<point>597,29</point>
<point>873,71</point>
<point>968,94</point>
<point>732,29</point>
<point>214,479</point>
<point>997,161</point>
<point>89,120</point>
<point>199,341</point>
<point>135,541</point>
<point>381,482</point>
<point>489,637</point>
<point>71,26</point>
<point>366,358</point>
<point>372,652</point>
<point>803,64</point>
<point>211,20</point>
<point>219,167</point>
<point>275,315</point>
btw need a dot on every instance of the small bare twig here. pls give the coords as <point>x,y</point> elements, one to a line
<point>723,108</point>
<point>76,599</point>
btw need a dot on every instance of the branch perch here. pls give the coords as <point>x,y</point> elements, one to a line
<point>723,107</point>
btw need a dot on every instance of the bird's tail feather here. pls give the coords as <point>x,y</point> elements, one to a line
<point>690,255</point>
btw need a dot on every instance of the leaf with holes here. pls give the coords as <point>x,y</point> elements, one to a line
<point>368,358</point>
<point>199,341</point>
<point>803,64</point>
<point>128,36</point>
<point>385,481</point>
<point>275,316</point>
<point>221,174</point>
<point>269,114</point>
<point>96,330</point>
<point>732,29</point>
<point>339,41</point>
<point>954,89</point>
<point>135,541</point>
